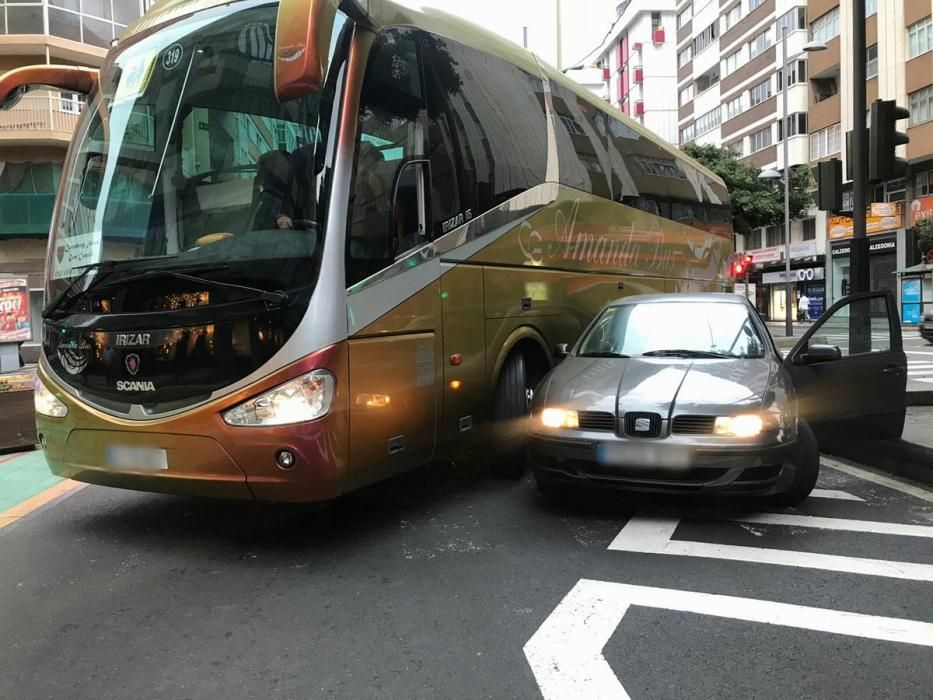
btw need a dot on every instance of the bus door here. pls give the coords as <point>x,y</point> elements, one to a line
<point>393,294</point>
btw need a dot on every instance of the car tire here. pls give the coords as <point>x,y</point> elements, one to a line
<point>806,468</point>
<point>510,412</point>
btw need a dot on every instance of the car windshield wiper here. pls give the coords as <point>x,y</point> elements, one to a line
<point>277,297</point>
<point>686,353</point>
<point>70,292</point>
<point>603,353</point>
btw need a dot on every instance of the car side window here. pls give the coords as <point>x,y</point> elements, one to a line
<point>837,329</point>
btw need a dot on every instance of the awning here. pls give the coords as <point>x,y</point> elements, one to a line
<point>915,270</point>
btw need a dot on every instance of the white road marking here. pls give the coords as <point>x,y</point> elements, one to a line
<point>918,352</point>
<point>566,652</point>
<point>927,380</point>
<point>833,493</point>
<point>868,526</point>
<point>889,482</point>
<point>652,535</point>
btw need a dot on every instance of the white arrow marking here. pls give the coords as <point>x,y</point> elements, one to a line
<point>566,653</point>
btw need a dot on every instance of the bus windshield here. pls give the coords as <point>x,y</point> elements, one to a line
<point>185,159</point>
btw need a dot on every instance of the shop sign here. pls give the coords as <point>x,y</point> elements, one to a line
<point>920,209</point>
<point>885,246</point>
<point>807,274</point>
<point>882,209</point>
<point>14,310</point>
<point>806,249</point>
<point>841,226</point>
<point>762,255</point>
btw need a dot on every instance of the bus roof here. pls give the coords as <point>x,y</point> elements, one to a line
<point>387,13</point>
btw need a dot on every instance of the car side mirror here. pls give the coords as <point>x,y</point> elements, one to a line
<point>816,354</point>
<point>561,351</point>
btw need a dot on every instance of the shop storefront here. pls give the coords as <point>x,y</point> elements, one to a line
<point>807,275</point>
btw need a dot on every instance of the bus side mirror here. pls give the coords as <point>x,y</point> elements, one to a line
<point>303,30</point>
<point>561,351</point>
<point>15,83</point>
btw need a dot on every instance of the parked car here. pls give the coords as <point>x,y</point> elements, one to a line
<point>688,393</point>
<point>926,326</point>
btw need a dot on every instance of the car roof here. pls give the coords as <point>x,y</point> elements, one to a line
<point>723,298</point>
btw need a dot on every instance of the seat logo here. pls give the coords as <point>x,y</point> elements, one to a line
<point>132,363</point>
<point>642,425</point>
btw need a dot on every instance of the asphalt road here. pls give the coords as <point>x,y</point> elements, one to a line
<point>919,362</point>
<point>447,584</point>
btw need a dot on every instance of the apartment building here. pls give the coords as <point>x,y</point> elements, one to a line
<point>899,66</point>
<point>636,63</point>
<point>35,134</point>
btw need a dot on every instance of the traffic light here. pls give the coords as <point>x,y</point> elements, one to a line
<point>740,265</point>
<point>829,184</point>
<point>883,138</point>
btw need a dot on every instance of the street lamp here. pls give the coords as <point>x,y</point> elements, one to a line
<point>773,175</point>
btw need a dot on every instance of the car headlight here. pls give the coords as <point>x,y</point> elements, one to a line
<point>559,418</point>
<point>739,426</point>
<point>47,404</point>
<point>302,399</point>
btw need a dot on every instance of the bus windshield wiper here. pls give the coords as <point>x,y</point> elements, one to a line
<point>277,297</point>
<point>686,353</point>
<point>603,353</point>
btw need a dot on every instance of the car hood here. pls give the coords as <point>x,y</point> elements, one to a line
<point>659,385</point>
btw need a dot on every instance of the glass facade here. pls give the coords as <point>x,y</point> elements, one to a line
<point>95,22</point>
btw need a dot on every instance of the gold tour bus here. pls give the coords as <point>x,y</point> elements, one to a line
<point>301,246</point>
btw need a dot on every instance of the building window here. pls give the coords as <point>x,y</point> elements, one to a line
<point>707,80</point>
<point>731,63</point>
<point>735,148</point>
<point>754,4</point>
<point>871,61</point>
<point>895,190</point>
<point>687,134</point>
<point>775,235</point>
<point>871,7</point>
<point>826,27</point>
<point>685,16</point>
<point>686,95</point>
<point>794,20</point>
<point>655,20</point>
<point>758,44</point>
<point>796,125</point>
<point>709,121</point>
<point>731,17</point>
<point>734,108</point>
<point>923,184</point>
<point>809,229</point>
<point>825,142</point>
<point>760,93</point>
<point>685,56</point>
<point>920,106</point>
<point>797,74</point>
<point>759,140</point>
<point>702,40</point>
<point>920,37</point>
<point>753,239</point>
<point>848,200</point>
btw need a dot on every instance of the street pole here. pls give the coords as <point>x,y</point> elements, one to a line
<point>560,57</point>
<point>859,321</point>
<point>788,320</point>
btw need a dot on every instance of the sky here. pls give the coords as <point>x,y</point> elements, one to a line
<point>585,22</point>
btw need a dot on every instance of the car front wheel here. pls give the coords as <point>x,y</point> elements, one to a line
<point>806,468</point>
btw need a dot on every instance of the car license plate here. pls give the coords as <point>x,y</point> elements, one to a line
<point>142,458</point>
<point>646,456</point>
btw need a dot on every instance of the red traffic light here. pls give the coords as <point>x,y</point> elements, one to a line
<point>738,269</point>
<point>747,260</point>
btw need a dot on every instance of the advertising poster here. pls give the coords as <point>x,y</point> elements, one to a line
<point>910,300</point>
<point>816,293</point>
<point>14,310</point>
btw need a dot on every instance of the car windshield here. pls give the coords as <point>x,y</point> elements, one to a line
<point>186,158</point>
<point>675,328</point>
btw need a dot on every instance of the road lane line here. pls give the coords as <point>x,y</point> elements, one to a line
<point>59,491</point>
<point>833,493</point>
<point>881,480</point>
<point>651,535</point>
<point>566,652</point>
<point>868,526</point>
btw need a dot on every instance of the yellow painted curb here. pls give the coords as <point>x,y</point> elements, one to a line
<point>10,516</point>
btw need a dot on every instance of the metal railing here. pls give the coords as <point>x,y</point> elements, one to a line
<point>42,113</point>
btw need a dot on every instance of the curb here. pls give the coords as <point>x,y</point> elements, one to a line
<point>920,398</point>
<point>897,457</point>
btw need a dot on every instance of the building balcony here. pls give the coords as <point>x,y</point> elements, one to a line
<point>24,214</point>
<point>39,120</point>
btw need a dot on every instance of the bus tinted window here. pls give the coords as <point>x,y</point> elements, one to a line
<point>496,120</point>
<point>582,138</point>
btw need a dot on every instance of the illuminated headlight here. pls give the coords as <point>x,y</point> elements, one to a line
<point>739,426</point>
<point>302,399</point>
<point>46,402</point>
<point>559,418</point>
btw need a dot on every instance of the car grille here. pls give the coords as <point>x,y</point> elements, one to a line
<point>693,425</point>
<point>596,420</point>
<point>642,425</point>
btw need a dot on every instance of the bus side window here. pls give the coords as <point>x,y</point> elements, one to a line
<point>582,140</point>
<point>391,127</point>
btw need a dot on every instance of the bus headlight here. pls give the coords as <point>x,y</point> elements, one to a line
<point>47,404</point>
<point>744,426</point>
<point>302,399</point>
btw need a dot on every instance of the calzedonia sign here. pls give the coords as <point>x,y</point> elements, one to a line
<point>886,246</point>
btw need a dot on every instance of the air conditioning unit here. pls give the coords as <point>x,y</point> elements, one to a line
<point>639,75</point>
<point>657,36</point>
<point>605,74</point>
<point>636,46</point>
<point>639,108</point>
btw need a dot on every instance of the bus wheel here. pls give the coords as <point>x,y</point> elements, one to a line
<point>510,412</point>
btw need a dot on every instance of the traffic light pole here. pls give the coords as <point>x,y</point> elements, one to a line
<point>858,256</point>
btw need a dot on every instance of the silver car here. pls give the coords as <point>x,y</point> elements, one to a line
<point>688,393</point>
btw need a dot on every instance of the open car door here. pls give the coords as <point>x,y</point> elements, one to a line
<point>850,371</point>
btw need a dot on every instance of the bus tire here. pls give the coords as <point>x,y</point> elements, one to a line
<point>510,411</point>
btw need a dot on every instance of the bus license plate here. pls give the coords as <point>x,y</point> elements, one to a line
<point>143,458</point>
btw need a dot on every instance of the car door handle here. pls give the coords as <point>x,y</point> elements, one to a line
<point>894,369</point>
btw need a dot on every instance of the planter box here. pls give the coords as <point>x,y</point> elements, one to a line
<point>17,412</point>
